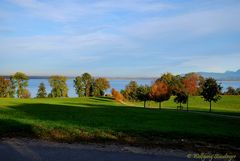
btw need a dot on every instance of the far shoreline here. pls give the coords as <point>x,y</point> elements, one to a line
<point>118,78</point>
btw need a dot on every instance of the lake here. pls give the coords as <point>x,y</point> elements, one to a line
<point>118,84</point>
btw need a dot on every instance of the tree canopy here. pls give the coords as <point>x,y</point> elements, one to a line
<point>143,93</point>
<point>59,86</point>
<point>41,91</point>
<point>181,98</point>
<point>130,91</point>
<point>87,84</point>
<point>160,92</point>
<point>211,91</point>
<point>21,81</point>
<point>4,87</point>
<point>174,82</point>
<point>100,86</point>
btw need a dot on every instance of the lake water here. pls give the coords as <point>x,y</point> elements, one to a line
<point>115,83</point>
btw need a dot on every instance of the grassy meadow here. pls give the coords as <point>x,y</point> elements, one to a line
<point>226,105</point>
<point>104,119</point>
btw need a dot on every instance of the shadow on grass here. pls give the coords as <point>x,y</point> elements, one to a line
<point>13,128</point>
<point>91,121</point>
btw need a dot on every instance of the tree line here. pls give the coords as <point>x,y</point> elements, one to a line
<point>172,85</point>
<point>232,91</point>
<point>85,85</point>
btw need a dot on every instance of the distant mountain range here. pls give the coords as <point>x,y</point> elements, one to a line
<point>227,76</point>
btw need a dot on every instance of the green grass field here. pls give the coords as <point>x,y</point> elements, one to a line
<point>103,119</point>
<point>226,105</point>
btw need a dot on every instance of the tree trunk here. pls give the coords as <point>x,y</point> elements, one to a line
<point>144,104</point>
<point>210,106</point>
<point>160,105</point>
<point>187,104</point>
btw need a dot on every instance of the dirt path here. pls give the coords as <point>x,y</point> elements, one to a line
<point>37,150</point>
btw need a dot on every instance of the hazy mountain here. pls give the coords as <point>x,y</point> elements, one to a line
<point>228,75</point>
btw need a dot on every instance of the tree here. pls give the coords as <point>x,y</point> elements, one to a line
<point>211,91</point>
<point>181,98</point>
<point>88,84</point>
<point>41,91</point>
<point>130,91</point>
<point>143,93</point>
<point>79,86</point>
<point>190,82</point>
<point>159,92</point>
<point>21,80</point>
<point>4,87</point>
<point>12,87</point>
<point>117,95</point>
<point>59,86</point>
<point>26,94</point>
<point>173,82</point>
<point>201,81</point>
<point>100,86</point>
<point>230,91</point>
<point>238,91</point>
<point>84,85</point>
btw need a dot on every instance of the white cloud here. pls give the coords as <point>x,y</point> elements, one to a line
<point>60,43</point>
<point>198,23</point>
<point>212,63</point>
<point>64,11</point>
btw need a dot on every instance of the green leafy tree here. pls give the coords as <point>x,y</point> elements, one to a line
<point>211,91</point>
<point>21,80</point>
<point>4,87</point>
<point>41,91</point>
<point>100,86</point>
<point>130,92</point>
<point>79,86</point>
<point>88,84</point>
<point>201,81</point>
<point>181,98</point>
<point>238,91</point>
<point>12,87</point>
<point>143,93</point>
<point>84,85</point>
<point>230,91</point>
<point>59,86</point>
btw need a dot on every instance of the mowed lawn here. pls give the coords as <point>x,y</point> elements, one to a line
<point>103,119</point>
<point>226,105</point>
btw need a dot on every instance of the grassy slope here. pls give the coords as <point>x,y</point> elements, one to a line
<point>74,119</point>
<point>226,105</point>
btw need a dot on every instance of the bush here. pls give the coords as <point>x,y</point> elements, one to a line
<point>26,94</point>
<point>117,95</point>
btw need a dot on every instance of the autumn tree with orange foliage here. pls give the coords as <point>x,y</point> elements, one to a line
<point>160,92</point>
<point>190,82</point>
<point>174,82</point>
<point>117,95</point>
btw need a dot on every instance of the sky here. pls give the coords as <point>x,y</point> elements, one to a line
<point>127,38</point>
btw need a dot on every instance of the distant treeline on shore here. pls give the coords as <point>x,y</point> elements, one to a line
<point>121,78</point>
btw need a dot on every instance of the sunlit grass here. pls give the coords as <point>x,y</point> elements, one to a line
<point>76,119</point>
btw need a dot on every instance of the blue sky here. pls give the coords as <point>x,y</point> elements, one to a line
<point>119,38</point>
